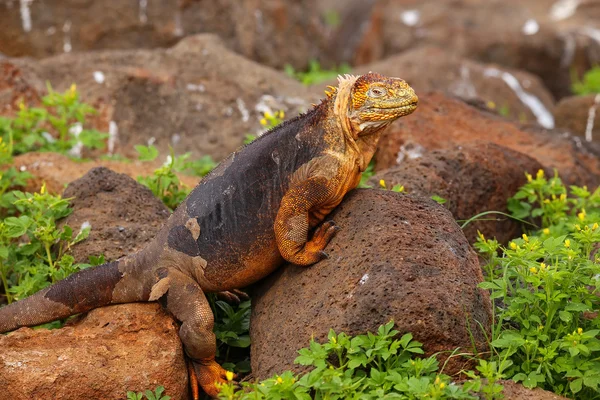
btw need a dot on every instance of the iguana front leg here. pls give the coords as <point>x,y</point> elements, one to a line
<point>294,218</point>
<point>184,298</point>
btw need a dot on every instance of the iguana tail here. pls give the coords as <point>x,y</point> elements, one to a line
<point>87,289</point>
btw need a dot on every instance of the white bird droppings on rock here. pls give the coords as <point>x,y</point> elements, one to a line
<point>113,133</point>
<point>364,279</point>
<point>25,14</point>
<point>543,116</point>
<point>563,9</point>
<point>243,110</point>
<point>99,77</point>
<point>410,17</point>
<point>143,11</point>
<point>67,37</point>
<point>589,127</point>
<point>531,27</point>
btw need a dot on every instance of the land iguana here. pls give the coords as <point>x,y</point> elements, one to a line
<point>256,209</point>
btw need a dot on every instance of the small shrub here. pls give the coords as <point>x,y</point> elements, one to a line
<point>59,126</point>
<point>371,366</point>
<point>545,286</point>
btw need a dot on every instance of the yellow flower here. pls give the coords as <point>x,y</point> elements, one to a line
<point>279,380</point>
<point>525,238</point>
<point>263,122</point>
<point>281,114</point>
<point>581,215</point>
<point>437,380</point>
<point>529,177</point>
<point>229,375</point>
<point>513,245</point>
<point>480,235</point>
<point>442,385</point>
<point>533,270</point>
<point>542,266</point>
<point>73,88</point>
<point>595,226</point>
<point>546,231</point>
<point>577,227</point>
<point>267,115</point>
<point>540,174</point>
<point>567,243</point>
<point>491,105</point>
<point>382,183</point>
<point>563,197</point>
<point>579,330</point>
<point>546,201</point>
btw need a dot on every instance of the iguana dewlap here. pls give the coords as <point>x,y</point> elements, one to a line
<point>256,209</point>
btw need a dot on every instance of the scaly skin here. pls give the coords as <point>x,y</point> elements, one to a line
<point>252,212</point>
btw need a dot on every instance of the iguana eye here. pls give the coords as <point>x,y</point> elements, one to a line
<point>376,92</point>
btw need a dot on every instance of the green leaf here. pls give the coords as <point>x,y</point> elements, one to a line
<point>146,153</point>
<point>17,226</point>
<point>438,199</point>
<point>576,385</point>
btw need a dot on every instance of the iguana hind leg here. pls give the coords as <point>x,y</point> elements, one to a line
<point>186,301</point>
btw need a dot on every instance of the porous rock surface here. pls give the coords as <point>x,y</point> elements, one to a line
<point>108,352</point>
<point>271,32</point>
<point>444,122</point>
<point>396,257</point>
<point>124,215</point>
<point>192,96</point>
<point>580,115</point>
<point>515,391</point>
<point>473,178</point>
<point>548,38</point>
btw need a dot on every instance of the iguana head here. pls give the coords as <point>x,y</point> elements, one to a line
<point>372,101</point>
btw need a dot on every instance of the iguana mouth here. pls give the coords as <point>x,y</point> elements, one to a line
<point>399,107</point>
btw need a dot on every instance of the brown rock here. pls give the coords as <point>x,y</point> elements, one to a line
<point>123,214</point>
<point>271,32</point>
<point>515,391</point>
<point>197,96</point>
<point>529,35</point>
<point>442,122</point>
<point>580,115</point>
<point>109,351</point>
<point>15,88</point>
<point>474,178</point>
<point>396,257</point>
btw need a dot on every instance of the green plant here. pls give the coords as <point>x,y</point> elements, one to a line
<point>59,126</point>
<point>545,286</point>
<point>315,74</point>
<point>366,175</point>
<point>164,182</point>
<point>148,394</point>
<point>33,249</point>
<point>371,366</point>
<point>232,325</point>
<point>590,83</point>
<point>396,188</point>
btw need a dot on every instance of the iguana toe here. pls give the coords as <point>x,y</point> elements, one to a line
<point>209,374</point>
<point>234,296</point>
